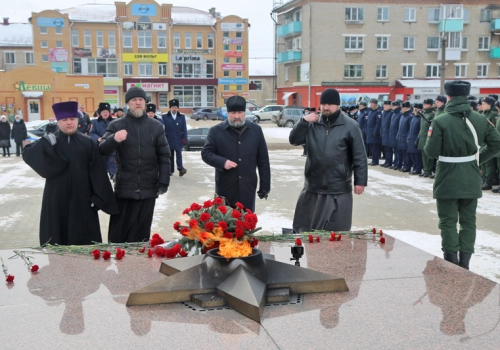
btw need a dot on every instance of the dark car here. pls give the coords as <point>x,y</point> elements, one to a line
<point>196,138</point>
<point>39,130</point>
<point>205,114</point>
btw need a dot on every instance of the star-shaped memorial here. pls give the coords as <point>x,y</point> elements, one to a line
<point>244,282</point>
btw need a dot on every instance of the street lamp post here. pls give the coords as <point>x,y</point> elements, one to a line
<point>443,58</point>
<point>275,58</point>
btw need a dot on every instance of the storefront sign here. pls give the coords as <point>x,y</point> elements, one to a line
<point>233,67</point>
<point>143,10</point>
<point>58,55</point>
<point>229,94</point>
<point>233,81</point>
<point>81,52</point>
<point>85,86</point>
<point>144,57</point>
<point>106,53</point>
<point>193,52</point>
<point>22,86</point>
<point>232,54</point>
<point>143,26</point>
<point>128,25</point>
<point>188,58</point>
<point>159,26</point>
<point>59,67</point>
<point>49,22</point>
<point>232,27</point>
<point>234,41</point>
<point>150,86</point>
<point>427,91</point>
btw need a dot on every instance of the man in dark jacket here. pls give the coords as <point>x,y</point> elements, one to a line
<point>404,129</point>
<point>373,126</point>
<point>489,168</point>
<point>86,118</point>
<point>386,129</point>
<point>143,162</point>
<point>362,118</point>
<point>99,127</point>
<point>412,140</point>
<point>335,150</point>
<point>236,148</point>
<point>393,132</point>
<point>176,132</point>
<point>454,137</point>
<point>19,134</point>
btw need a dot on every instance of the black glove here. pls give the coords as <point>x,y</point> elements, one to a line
<point>262,194</point>
<point>162,189</point>
<point>51,138</point>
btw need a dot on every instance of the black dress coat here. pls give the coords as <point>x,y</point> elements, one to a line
<point>76,187</point>
<point>248,149</point>
<point>19,131</point>
<point>5,131</point>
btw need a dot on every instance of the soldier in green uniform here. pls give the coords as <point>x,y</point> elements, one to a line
<point>440,104</point>
<point>427,162</point>
<point>489,168</point>
<point>454,137</point>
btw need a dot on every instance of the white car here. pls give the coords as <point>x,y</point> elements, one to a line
<point>267,112</point>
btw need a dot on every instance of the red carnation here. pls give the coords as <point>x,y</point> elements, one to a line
<point>120,253</point>
<point>156,235</point>
<point>195,206</point>
<point>228,235</point>
<point>317,239</point>
<point>160,251</point>
<point>298,241</point>
<point>96,253</point>
<point>222,225</point>
<point>34,268</point>
<point>204,217</point>
<point>193,223</point>
<point>209,226</point>
<point>182,253</point>
<point>236,214</point>
<point>339,237</point>
<point>374,230</point>
<point>170,253</point>
<point>106,255</point>
<point>254,243</point>
<point>239,205</point>
<point>207,204</point>
<point>222,209</point>
<point>9,279</point>
<point>382,239</point>
<point>311,239</point>
<point>177,225</point>
<point>218,201</point>
<point>248,211</point>
<point>239,233</point>
<point>142,250</point>
<point>185,231</point>
<point>185,211</point>
<point>332,236</point>
<point>150,252</point>
<point>381,233</point>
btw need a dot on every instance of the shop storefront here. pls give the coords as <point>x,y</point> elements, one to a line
<point>156,90</point>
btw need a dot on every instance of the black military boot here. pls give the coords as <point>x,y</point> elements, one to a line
<point>495,190</point>
<point>496,181</point>
<point>487,184</point>
<point>464,260</point>
<point>451,257</point>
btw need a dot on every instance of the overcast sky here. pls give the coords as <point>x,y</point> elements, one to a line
<point>257,12</point>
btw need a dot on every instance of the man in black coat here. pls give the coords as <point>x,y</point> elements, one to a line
<point>236,148</point>
<point>142,162</point>
<point>335,150</point>
<point>19,133</point>
<point>76,185</point>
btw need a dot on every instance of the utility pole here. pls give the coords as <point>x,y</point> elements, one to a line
<point>275,81</point>
<point>443,57</point>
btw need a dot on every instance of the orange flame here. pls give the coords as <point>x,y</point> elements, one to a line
<point>234,249</point>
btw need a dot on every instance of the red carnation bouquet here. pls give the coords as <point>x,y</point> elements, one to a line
<point>216,225</point>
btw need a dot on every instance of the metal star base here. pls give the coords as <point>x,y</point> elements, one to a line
<point>244,282</point>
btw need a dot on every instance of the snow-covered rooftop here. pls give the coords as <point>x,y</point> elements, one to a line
<point>188,15</point>
<point>16,34</point>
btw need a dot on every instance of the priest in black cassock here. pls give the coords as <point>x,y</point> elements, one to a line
<point>76,185</point>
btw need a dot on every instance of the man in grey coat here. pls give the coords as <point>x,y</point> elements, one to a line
<point>236,148</point>
<point>335,150</point>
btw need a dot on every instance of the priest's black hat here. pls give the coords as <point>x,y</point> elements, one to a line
<point>236,104</point>
<point>330,97</point>
<point>104,106</point>
<point>64,110</point>
<point>173,103</point>
<point>151,107</point>
<point>457,88</point>
<point>135,92</point>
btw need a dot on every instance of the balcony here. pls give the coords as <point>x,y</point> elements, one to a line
<point>452,54</point>
<point>290,29</point>
<point>451,25</point>
<point>495,53</point>
<point>495,26</point>
<point>289,56</point>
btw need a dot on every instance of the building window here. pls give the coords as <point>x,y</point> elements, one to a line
<point>29,57</point>
<point>187,40</point>
<point>210,40</point>
<point>226,59</point>
<point>162,68</point>
<point>286,73</point>
<point>44,44</point>
<point>225,34</point>
<point>239,87</point>
<point>98,38</point>
<point>257,85</point>
<point>465,43</point>
<point>353,71</point>
<point>43,30</point>
<point>190,96</point>
<point>162,40</point>
<point>410,15</point>
<point>86,38</point>
<point>239,74</point>
<point>297,77</point>
<point>498,73</point>
<point>485,15</point>
<point>381,72</point>
<point>409,43</point>
<point>45,58</point>
<point>408,71</point>
<point>59,44</point>
<point>460,71</point>
<point>433,15</point>
<point>432,71</point>
<point>127,39</point>
<point>209,68</point>
<point>107,67</point>
<point>482,70</point>
<point>239,60</point>
<point>199,40</point>
<point>382,43</point>
<point>58,30</point>
<point>238,47</point>
<point>466,16</point>
<point>484,43</point>
<point>77,66</point>
<point>194,70</point>
<point>383,14</point>
<point>354,43</point>
<point>226,73</point>
<point>433,42</point>
<point>354,14</point>
<point>177,40</point>
<point>128,68</point>
<point>74,37</point>
<point>145,40</point>
<point>453,11</point>
<point>111,38</point>
<point>145,69</point>
<point>239,34</point>
<point>10,58</point>
<point>454,40</point>
<point>226,87</point>
<point>226,47</point>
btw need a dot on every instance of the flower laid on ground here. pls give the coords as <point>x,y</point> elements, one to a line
<point>317,239</point>
<point>334,237</point>
<point>119,254</point>
<point>96,253</point>
<point>8,278</point>
<point>374,230</point>
<point>298,241</point>
<point>156,240</point>
<point>106,255</point>
<point>382,240</point>
<point>215,224</point>
<point>311,238</point>
<point>34,268</point>
<point>27,260</point>
<point>142,250</point>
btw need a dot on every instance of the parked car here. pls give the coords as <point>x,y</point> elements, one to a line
<point>196,138</point>
<point>205,114</point>
<point>289,115</point>
<point>252,106</point>
<point>267,112</point>
<point>222,113</point>
<point>38,129</point>
<point>249,116</point>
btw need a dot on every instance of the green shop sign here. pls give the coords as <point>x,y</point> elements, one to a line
<point>21,86</point>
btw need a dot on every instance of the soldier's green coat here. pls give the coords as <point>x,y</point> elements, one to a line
<point>451,137</point>
<point>439,110</point>
<point>424,127</point>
